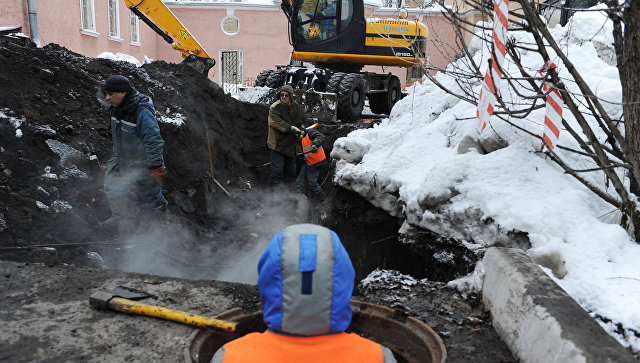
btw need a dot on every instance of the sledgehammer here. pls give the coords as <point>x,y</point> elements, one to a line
<point>122,299</point>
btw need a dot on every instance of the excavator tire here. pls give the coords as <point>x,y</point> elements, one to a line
<point>382,103</point>
<point>351,95</point>
<point>334,82</point>
<point>276,78</point>
<point>261,80</point>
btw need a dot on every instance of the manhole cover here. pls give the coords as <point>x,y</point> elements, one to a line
<point>410,339</point>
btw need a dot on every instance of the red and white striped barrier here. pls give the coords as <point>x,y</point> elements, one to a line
<point>553,110</point>
<point>493,76</point>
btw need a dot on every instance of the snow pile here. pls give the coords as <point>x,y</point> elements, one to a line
<point>410,165</point>
<point>122,57</point>
<point>177,119</point>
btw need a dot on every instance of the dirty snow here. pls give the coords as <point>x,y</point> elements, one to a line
<point>177,119</point>
<point>251,94</point>
<point>409,166</point>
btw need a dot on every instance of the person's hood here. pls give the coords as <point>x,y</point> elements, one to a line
<point>306,280</point>
<point>132,100</point>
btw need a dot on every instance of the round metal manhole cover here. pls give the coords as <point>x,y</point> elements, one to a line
<point>410,339</point>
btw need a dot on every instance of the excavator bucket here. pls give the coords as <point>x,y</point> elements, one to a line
<point>202,65</point>
<point>318,106</point>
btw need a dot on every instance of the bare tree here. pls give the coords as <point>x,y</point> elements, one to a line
<point>616,156</point>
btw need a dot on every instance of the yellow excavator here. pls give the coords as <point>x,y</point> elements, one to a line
<point>174,32</point>
<point>338,41</point>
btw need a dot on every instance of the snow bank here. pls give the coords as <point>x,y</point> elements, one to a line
<point>410,166</point>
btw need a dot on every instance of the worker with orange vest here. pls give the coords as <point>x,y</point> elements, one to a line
<point>314,158</point>
<point>305,278</point>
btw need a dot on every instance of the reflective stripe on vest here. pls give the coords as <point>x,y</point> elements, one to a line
<point>309,157</point>
<point>270,347</point>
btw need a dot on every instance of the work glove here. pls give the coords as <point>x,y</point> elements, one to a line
<point>313,148</point>
<point>157,174</point>
<point>295,130</point>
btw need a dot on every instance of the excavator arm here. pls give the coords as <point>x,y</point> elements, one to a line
<point>158,17</point>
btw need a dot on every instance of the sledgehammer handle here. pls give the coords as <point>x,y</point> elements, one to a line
<point>136,307</point>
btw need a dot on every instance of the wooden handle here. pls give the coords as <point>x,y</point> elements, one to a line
<point>136,307</point>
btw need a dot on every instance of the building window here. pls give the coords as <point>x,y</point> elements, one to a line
<point>87,16</point>
<point>135,29</point>
<point>114,19</point>
<point>230,25</point>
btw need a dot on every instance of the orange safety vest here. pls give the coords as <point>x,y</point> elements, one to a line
<point>309,157</point>
<point>270,347</point>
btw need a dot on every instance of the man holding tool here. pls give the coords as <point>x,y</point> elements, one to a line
<point>285,120</point>
<point>314,159</point>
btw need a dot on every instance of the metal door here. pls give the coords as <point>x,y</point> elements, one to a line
<point>231,64</point>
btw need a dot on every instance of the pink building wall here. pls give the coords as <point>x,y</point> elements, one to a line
<point>262,37</point>
<point>14,13</point>
<point>59,22</point>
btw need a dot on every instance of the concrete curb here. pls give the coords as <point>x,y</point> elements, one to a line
<point>537,319</point>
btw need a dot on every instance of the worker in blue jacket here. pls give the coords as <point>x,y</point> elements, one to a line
<point>136,164</point>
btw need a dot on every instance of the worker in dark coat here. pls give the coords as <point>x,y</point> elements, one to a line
<point>314,160</point>
<point>136,164</point>
<point>285,122</point>
<point>305,278</point>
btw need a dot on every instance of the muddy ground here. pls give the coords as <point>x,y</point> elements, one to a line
<point>54,140</point>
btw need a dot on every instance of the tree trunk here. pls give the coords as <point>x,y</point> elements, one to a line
<point>631,94</point>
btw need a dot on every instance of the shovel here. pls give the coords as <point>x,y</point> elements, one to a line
<point>124,298</point>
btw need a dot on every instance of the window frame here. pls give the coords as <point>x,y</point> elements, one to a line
<point>135,29</point>
<point>91,27</point>
<point>114,20</point>
<point>230,17</point>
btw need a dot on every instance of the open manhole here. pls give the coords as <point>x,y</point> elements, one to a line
<point>410,339</point>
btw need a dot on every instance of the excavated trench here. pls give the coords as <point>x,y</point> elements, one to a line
<point>369,234</point>
<point>54,139</point>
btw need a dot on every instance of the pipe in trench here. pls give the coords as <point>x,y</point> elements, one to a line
<point>33,22</point>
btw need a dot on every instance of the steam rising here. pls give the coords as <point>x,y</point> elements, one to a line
<point>166,244</point>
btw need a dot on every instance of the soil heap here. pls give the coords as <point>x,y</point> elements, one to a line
<point>55,138</point>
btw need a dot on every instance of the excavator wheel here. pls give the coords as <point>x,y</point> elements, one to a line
<point>351,96</point>
<point>334,82</point>
<point>261,80</point>
<point>384,102</point>
<point>276,78</point>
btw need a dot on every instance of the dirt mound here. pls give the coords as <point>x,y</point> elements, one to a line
<point>55,137</point>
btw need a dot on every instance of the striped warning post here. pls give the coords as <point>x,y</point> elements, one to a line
<point>493,76</point>
<point>553,110</point>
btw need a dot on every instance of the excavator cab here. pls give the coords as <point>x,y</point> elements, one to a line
<point>326,26</point>
<point>335,37</point>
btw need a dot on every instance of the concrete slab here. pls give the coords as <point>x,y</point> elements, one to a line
<point>537,319</point>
